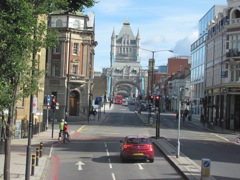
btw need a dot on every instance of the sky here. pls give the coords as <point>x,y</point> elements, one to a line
<point>163,25</point>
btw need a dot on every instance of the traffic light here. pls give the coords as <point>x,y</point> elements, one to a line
<point>157,101</point>
<point>151,99</point>
<point>53,103</point>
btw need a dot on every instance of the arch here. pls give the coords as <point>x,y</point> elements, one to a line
<point>235,13</point>
<point>76,24</point>
<point>59,23</point>
<point>74,100</point>
<point>125,83</point>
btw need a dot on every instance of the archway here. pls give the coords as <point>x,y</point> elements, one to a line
<point>74,103</point>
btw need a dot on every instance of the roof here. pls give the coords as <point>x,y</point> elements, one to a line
<point>126,29</point>
<point>137,136</point>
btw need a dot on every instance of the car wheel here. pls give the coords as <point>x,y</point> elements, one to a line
<point>122,159</point>
<point>151,160</point>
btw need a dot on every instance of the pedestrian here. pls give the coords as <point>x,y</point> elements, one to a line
<point>176,116</point>
<point>66,135</point>
<point>61,126</point>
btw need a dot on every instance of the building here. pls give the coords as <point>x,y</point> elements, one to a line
<point>222,82</point>
<point>125,76</point>
<point>70,66</point>
<point>22,111</point>
<point>198,58</point>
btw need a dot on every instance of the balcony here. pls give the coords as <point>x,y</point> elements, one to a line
<point>233,53</point>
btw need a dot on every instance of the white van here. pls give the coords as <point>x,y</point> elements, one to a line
<point>124,102</point>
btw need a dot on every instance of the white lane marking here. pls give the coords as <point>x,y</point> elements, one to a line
<point>105,144</point>
<point>221,137</point>
<point>110,165</point>
<point>113,176</point>
<point>107,152</point>
<point>50,153</point>
<point>140,166</point>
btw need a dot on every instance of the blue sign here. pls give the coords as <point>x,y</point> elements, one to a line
<point>99,99</point>
<point>206,164</point>
<point>48,99</point>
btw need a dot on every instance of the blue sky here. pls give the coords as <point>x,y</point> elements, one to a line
<point>163,24</point>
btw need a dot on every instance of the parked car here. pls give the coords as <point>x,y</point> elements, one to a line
<point>136,147</point>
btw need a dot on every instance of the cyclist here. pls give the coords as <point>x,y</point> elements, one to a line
<point>61,126</point>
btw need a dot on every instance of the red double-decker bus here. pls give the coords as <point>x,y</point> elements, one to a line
<point>118,99</point>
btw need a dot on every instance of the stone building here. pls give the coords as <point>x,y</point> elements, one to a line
<point>70,66</point>
<point>222,69</point>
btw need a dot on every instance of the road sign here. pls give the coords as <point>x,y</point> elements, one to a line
<point>48,100</point>
<point>99,99</point>
<point>34,105</point>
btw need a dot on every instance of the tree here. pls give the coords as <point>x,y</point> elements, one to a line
<point>22,35</point>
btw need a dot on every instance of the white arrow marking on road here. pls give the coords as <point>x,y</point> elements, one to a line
<point>80,163</point>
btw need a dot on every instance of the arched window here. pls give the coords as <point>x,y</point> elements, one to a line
<point>59,23</point>
<point>76,24</point>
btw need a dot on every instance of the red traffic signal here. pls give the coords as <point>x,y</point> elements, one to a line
<point>157,97</point>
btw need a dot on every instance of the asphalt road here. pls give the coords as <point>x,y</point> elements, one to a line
<point>94,152</point>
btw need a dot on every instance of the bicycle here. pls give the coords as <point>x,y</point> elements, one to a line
<point>60,136</point>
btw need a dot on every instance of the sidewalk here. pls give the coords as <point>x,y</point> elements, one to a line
<point>18,159</point>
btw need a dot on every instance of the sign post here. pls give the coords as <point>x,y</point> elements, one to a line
<point>205,169</point>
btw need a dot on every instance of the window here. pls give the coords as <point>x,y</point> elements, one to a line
<point>56,50</point>
<point>59,23</point>
<point>55,70</point>
<point>75,48</point>
<point>75,69</point>
<point>76,24</point>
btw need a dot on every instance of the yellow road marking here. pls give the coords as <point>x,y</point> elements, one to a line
<point>221,137</point>
<point>81,128</point>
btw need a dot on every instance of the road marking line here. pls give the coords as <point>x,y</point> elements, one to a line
<point>110,165</point>
<point>81,128</point>
<point>221,137</point>
<point>107,152</point>
<point>105,144</point>
<point>113,176</point>
<point>140,167</point>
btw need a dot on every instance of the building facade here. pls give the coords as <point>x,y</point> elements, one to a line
<point>222,92</point>
<point>125,76</point>
<point>70,66</point>
<point>198,59</point>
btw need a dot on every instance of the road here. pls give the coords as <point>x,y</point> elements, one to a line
<point>94,152</point>
<point>197,143</point>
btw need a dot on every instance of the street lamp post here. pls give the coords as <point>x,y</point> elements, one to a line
<point>179,119</point>
<point>152,68</point>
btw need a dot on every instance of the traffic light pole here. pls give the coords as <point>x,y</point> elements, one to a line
<point>158,124</point>
<point>53,122</point>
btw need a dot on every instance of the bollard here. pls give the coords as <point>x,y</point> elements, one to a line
<point>205,169</point>
<point>37,156</point>
<point>33,164</point>
<point>41,147</point>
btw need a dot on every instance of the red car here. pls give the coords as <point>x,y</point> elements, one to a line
<point>137,147</point>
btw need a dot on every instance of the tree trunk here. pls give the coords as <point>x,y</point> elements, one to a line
<point>7,153</point>
<point>7,161</point>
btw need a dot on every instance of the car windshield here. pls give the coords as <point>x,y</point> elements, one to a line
<point>137,141</point>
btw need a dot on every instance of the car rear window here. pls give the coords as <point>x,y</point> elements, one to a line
<point>137,141</point>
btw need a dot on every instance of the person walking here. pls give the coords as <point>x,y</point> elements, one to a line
<point>61,126</point>
<point>66,135</point>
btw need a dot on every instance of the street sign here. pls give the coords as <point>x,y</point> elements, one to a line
<point>48,100</point>
<point>34,105</point>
